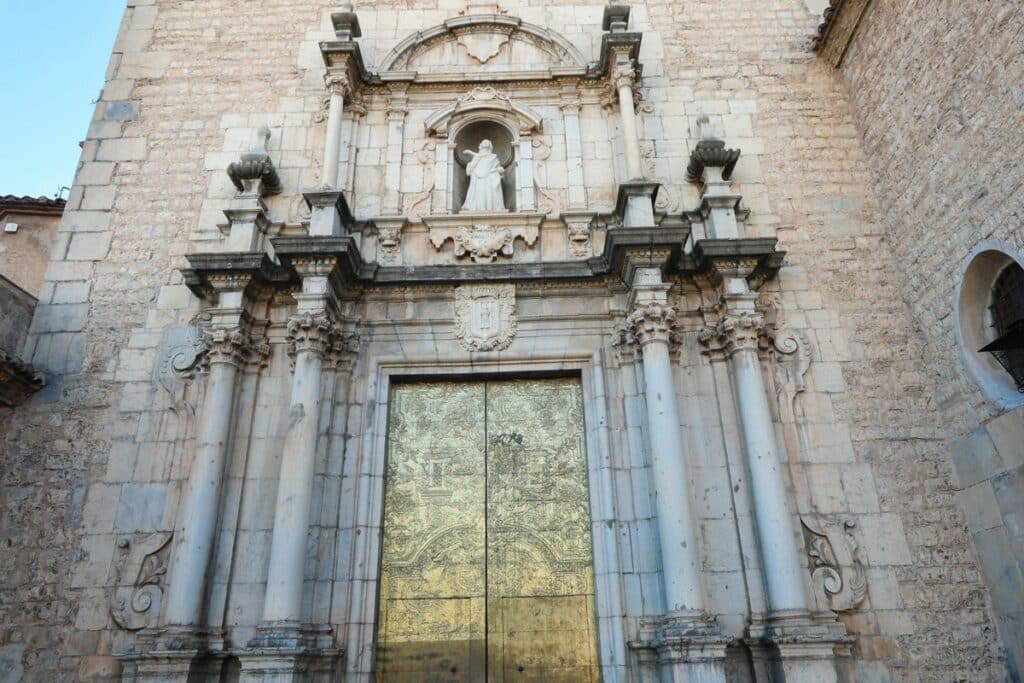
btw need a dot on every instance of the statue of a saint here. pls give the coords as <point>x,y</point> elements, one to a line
<point>485,172</point>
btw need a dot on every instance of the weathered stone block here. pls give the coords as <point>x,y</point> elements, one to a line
<point>92,246</point>
<point>975,457</point>
<point>140,508</point>
<point>980,507</point>
<point>122,149</point>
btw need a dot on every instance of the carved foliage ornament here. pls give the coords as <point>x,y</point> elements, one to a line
<point>837,572</point>
<point>742,331</point>
<point>232,345</point>
<point>485,316</point>
<point>139,570</point>
<point>652,322</point>
<point>482,241</point>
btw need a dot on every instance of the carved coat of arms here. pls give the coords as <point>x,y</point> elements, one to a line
<point>485,316</point>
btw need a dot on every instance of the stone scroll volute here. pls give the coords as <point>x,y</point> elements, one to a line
<point>837,573</point>
<point>140,569</point>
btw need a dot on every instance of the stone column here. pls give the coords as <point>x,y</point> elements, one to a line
<point>227,346</point>
<point>686,640</point>
<point>624,79</point>
<point>651,319</point>
<point>338,86</point>
<point>285,645</point>
<point>308,334</point>
<point>806,644</point>
<point>739,332</point>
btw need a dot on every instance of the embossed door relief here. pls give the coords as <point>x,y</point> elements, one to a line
<point>487,565</point>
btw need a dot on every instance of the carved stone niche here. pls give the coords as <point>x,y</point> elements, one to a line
<point>485,113</point>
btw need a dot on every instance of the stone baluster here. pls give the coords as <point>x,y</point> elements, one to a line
<point>227,348</point>
<point>651,319</point>
<point>338,86</point>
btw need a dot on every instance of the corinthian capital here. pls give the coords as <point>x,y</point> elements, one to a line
<point>652,322</point>
<point>338,83</point>
<point>624,75</point>
<point>741,331</point>
<point>342,351</point>
<point>230,345</point>
<point>309,333</point>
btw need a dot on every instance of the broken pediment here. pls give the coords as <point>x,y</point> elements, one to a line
<point>487,46</point>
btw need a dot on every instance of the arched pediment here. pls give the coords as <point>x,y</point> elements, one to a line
<point>485,102</point>
<point>485,44</point>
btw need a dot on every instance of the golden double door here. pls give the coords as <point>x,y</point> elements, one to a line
<point>487,562</point>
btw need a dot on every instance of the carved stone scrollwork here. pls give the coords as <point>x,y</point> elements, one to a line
<point>483,242</point>
<point>308,332</point>
<point>139,572</point>
<point>624,343</point>
<point>579,238</point>
<point>390,240</point>
<point>793,358</point>
<point>837,573</point>
<point>485,317</point>
<point>485,238</point>
<point>743,331</point>
<point>418,205</point>
<point>653,322</point>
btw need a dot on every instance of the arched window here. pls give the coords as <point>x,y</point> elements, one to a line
<point>1007,316</point>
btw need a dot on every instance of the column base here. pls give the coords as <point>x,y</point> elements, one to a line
<point>175,654</point>
<point>803,647</point>
<point>288,652</point>
<point>689,647</point>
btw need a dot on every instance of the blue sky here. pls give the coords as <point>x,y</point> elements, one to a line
<point>54,55</point>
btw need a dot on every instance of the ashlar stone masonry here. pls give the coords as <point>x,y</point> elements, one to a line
<point>267,236</point>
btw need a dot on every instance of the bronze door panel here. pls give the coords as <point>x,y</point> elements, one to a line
<point>486,558</point>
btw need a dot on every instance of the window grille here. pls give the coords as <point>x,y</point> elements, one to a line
<point>1007,314</point>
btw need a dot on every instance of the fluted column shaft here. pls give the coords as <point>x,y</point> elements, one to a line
<point>677,532</point>
<point>197,527</point>
<point>309,335</point>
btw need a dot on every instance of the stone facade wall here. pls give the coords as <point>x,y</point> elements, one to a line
<point>94,465</point>
<point>941,126</point>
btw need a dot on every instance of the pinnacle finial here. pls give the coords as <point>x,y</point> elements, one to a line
<point>261,140</point>
<point>704,127</point>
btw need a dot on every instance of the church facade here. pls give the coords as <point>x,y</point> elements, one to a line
<point>462,341</point>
